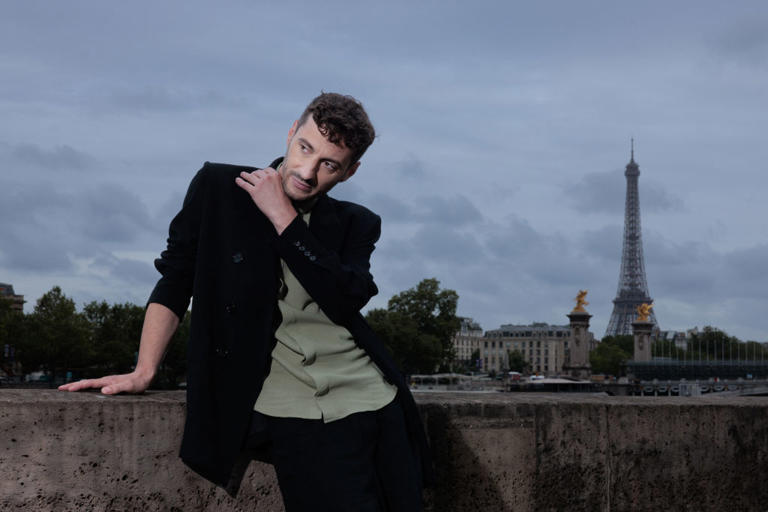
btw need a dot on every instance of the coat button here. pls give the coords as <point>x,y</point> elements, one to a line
<point>297,243</point>
<point>301,247</point>
<point>307,253</point>
<point>237,257</point>
<point>230,308</point>
<point>312,258</point>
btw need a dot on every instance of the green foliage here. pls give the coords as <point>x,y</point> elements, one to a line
<point>714,344</point>
<point>611,355</point>
<point>13,327</point>
<point>56,337</point>
<point>517,362</point>
<point>114,331</point>
<point>418,326</point>
<point>475,357</point>
<point>414,352</point>
<point>625,342</point>
<point>101,340</point>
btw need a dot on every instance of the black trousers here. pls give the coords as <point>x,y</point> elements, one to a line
<point>360,463</point>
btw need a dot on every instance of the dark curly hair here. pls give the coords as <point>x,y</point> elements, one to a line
<point>342,120</point>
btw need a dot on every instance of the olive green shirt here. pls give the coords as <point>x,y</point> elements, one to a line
<point>317,371</point>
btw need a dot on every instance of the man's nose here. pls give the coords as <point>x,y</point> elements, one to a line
<point>308,171</point>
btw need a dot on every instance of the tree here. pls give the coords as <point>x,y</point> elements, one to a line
<point>114,332</point>
<point>414,352</point>
<point>13,325</point>
<point>418,326</point>
<point>57,336</point>
<point>517,362</point>
<point>611,354</point>
<point>475,358</point>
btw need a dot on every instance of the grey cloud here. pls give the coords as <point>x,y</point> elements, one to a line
<point>443,244</point>
<point>391,209</point>
<point>514,238</point>
<point>411,167</point>
<point>605,192</point>
<point>42,231</point>
<point>603,243</point>
<point>454,211</point>
<point>161,98</point>
<point>167,211</point>
<point>55,158</point>
<point>747,271</point>
<point>33,250</point>
<point>110,213</point>
<point>127,271</point>
<point>747,40</point>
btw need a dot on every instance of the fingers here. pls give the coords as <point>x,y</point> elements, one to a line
<point>109,385</point>
<point>254,177</point>
<point>85,384</point>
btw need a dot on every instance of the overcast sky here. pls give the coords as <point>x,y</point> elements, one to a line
<point>504,128</point>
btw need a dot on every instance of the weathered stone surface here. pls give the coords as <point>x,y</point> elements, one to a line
<point>494,452</point>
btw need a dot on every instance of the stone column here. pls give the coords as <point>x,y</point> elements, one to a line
<point>577,356</point>
<point>642,332</point>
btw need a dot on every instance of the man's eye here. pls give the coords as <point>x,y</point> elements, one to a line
<point>331,166</point>
<point>304,148</point>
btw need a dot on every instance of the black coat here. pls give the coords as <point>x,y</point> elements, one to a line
<point>225,254</point>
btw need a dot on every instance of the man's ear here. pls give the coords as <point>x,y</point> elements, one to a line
<point>292,132</point>
<point>351,171</point>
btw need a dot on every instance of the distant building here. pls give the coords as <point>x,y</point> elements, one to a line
<point>543,346</point>
<point>7,293</point>
<point>467,340</point>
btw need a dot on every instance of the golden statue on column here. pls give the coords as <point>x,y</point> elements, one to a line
<point>643,312</point>
<point>580,302</point>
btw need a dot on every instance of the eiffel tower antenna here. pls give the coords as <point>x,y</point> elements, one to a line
<point>633,288</point>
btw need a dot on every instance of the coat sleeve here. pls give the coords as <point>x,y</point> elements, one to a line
<point>177,262</point>
<point>339,281</point>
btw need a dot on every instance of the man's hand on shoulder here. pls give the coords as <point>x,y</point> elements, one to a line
<point>265,187</point>
<point>134,382</point>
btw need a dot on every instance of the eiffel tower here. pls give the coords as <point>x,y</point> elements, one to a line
<point>633,288</point>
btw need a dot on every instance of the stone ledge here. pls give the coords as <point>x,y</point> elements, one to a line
<point>494,451</point>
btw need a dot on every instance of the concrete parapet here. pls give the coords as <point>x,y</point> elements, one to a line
<point>494,452</point>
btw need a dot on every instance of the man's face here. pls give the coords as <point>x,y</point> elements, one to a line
<point>313,165</point>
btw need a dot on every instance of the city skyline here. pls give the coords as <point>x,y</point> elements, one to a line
<point>503,129</point>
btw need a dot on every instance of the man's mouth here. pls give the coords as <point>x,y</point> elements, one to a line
<point>301,184</point>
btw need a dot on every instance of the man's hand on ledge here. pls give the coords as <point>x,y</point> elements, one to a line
<point>134,382</point>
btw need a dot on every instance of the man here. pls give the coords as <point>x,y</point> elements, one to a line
<point>282,366</point>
